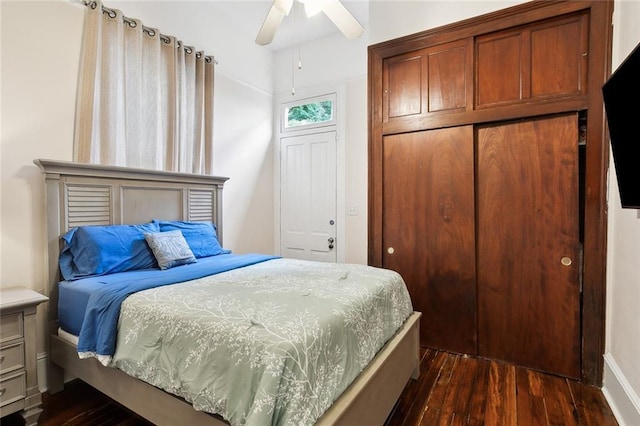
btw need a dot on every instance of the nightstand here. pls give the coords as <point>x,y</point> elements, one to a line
<point>18,379</point>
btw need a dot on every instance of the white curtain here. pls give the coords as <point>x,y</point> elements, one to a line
<point>144,99</point>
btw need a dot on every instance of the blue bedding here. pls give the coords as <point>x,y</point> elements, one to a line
<point>102,296</point>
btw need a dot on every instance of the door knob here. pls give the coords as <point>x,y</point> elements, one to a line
<point>566,261</point>
<point>331,240</point>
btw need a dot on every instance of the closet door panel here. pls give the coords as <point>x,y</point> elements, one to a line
<point>433,80</point>
<point>559,58</point>
<point>403,81</point>
<point>450,77</point>
<point>501,63</point>
<point>534,62</point>
<point>528,243</point>
<point>428,232</point>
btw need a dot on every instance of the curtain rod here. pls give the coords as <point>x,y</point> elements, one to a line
<point>151,32</point>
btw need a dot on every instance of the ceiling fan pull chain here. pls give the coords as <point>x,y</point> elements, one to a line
<point>298,29</point>
<point>293,73</point>
<point>296,16</point>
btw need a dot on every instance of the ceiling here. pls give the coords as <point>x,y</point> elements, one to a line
<point>296,28</point>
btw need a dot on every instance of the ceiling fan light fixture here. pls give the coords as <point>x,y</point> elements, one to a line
<point>334,9</point>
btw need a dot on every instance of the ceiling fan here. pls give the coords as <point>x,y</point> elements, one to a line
<point>334,10</point>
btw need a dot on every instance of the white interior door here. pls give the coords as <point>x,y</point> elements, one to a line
<point>308,197</point>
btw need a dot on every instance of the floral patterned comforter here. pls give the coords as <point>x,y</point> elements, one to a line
<point>269,344</point>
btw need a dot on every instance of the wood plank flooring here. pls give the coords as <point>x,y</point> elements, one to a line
<point>452,390</point>
<point>460,390</point>
<point>80,405</point>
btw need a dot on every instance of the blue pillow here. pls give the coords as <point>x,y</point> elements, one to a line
<point>170,249</point>
<point>101,250</point>
<point>201,236</point>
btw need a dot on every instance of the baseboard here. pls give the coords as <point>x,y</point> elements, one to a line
<point>623,400</point>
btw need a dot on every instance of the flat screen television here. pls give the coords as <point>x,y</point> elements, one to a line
<point>621,96</point>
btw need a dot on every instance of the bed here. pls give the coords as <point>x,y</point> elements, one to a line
<point>83,196</point>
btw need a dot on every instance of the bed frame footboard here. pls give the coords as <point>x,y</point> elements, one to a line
<point>151,403</point>
<point>368,400</point>
<point>371,397</point>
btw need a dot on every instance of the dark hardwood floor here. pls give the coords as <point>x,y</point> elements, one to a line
<point>460,390</point>
<point>452,390</point>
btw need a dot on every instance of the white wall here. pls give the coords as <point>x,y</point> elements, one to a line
<point>40,51</point>
<point>622,354</point>
<point>356,167</point>
<point>393,19</point>
<point>243,151</point>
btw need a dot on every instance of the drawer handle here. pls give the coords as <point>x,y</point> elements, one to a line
<point>2,391</point>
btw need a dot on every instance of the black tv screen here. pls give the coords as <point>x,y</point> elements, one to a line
<point>621,95</point>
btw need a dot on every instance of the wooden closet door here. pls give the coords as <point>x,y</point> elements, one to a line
<point>428,230</point>
<point>528,243</point>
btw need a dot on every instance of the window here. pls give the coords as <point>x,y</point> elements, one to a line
<point>307,113</point>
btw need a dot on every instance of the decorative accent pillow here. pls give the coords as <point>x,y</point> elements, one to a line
<point>170,249</point>
<point>201,236</point>
<point>105,249</point>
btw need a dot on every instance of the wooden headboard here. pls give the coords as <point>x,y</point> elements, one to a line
<point>78,194</point>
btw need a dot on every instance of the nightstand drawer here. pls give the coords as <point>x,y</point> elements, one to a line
<point>11,357</point>
<point>11,327</point>
<point>12,388</point>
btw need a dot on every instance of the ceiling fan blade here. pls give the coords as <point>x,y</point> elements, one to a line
<point>269,26</point>
<point>342,18</point>
<point>279,9</point>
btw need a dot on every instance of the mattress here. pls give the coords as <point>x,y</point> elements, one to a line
<point>74,296</point>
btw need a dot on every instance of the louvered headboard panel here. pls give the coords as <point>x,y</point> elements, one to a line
<point>88,205</point>
<point>87,194</point>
